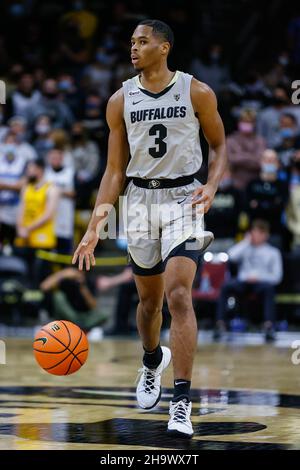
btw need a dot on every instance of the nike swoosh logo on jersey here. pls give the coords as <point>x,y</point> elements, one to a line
<point>136,102</point>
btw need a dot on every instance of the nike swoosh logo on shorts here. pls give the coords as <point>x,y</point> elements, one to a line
<point>136,102</point>
<point>179,202</point>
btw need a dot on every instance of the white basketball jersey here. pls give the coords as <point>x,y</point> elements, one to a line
<point>162,129</point>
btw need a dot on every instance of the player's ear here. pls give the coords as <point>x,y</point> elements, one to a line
<point>165,48</point>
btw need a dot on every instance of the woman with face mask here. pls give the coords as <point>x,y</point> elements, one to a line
<point>244,149</point>
<point>267,195</point>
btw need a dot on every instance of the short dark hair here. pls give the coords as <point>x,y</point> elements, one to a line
<point>40,162</point>
<point>159,28</point>
<point>261,225</point>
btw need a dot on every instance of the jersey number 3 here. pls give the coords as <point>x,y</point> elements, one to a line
<point>160,133</point>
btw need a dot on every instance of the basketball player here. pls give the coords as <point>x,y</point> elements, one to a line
<point>156,117</point>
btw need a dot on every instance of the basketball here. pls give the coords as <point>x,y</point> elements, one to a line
<point>61,347</point>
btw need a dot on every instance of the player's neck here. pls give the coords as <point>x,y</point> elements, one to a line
<point>156,79</point>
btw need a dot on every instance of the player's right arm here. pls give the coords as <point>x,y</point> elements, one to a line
<point>112,182</point>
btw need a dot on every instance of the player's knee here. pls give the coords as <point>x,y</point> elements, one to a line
<point>179,299</point>
<point>150,307</point>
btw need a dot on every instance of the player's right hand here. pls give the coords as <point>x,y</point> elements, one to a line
<point>85,251</point>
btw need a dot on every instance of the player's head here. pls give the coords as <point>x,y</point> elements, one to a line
<point>151,43</point>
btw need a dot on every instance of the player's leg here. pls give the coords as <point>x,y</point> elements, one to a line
<point>149,310</point>
<point>179,275</point>
<point>149,318</point>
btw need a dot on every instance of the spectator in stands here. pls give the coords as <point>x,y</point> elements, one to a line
<point>70,94</point>
<point>86,161</point>
<point>268,118</point>
<point>50,104</point>
<point>73,297</point>
<point>293,208</point>
<point>288,139</point>
<point>63,178</point>
<point>99,74</point>
<point>266,196</point>
<point>36,218</point>
<point>12,170</point>
<point>259,271</point>
<point>211,68</point>
<point>25,97</point>
<point>72,51</point>
<point>60,139</point>
<point>17,126</point>
<point>223,216</point>
<point>42,141</point>
<point>244,149</point>
<point>93,117</point>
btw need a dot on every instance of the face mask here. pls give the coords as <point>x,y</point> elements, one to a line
<point>32,179</point>
<point>77,136</point>
<point>50,96</point>
<point>278,101</point>
<point>42,129</point>
<point>284,61</point>
<point>103,58</point>
<point>269,168</point>
<point>246,127</point>
<point>64,85</point>
<point>287,133</point>
<point>58,169</point>
<point>215,56</point>
<point>296,164</point>
<point>17,10</point>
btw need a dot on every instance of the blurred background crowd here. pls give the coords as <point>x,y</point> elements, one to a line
<point>60,61</point>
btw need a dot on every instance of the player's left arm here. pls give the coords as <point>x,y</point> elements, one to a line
<point>205,105</point>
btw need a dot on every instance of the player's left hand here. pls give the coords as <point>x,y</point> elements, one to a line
<point>204,195</point>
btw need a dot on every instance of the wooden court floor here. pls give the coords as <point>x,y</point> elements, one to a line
<point>243,398</point>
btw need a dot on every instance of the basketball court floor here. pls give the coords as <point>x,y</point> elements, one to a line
<point>244,397</point>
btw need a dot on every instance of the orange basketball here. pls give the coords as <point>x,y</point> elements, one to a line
<point>61,347</point>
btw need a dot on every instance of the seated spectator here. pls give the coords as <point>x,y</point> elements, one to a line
<point>12,170</point>
<point>223,216</point>
<point>244,149</point>
<point>25,97</point>
<point>36,218</point>
<point>42,141</point>
<point>268,118</point>
<point>259,271</point>
<point>70,94</point>
<point>266,196</point>
<point>289,138</point>
<point>86,162</point>
<point>73,297</point>
<point>50,104</point>
<point>127,290</point>
<point>293,207</point>
<point>63,178</point>
<point>17,127</point>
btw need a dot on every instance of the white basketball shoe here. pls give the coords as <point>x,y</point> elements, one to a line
<point>180,424</point>
<point>148,389</point>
